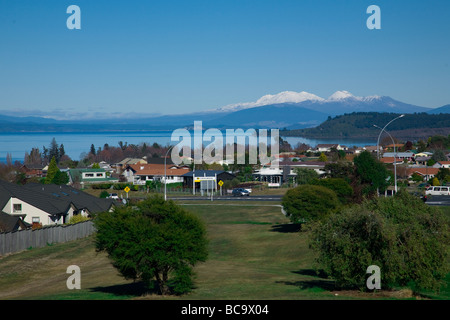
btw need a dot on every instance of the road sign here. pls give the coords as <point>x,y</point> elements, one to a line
<point>127,189</point>
<point>220,183</point>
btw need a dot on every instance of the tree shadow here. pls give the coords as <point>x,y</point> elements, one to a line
<point>129,289</point>
<point>320,280</point>
<point>287,228</point>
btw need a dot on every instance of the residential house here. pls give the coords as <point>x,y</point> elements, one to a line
<point>32,170</point>
<point>421,160</point>
<point>391,160</point>
<point>90,176</point>
<point>327,147</point>
<point>427,173</point>
<point>408,155</point>
<point>442,164</point>
<point>139,174</point>
<point>48,204</point>
<point>424,154</point>
<point>129,161</point>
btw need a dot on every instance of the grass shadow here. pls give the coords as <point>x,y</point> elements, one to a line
<point>136,289</point>
<point>286,228</point>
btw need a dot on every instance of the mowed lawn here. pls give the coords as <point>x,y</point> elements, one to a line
<point>254,254</point>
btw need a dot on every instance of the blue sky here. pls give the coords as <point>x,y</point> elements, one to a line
<point>184,56</point>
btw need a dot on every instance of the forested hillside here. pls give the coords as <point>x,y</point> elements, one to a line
<point>361,125</point>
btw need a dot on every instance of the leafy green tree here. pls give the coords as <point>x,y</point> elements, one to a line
<point>95,166</point>
<point>435,182</point>
<point>340,186</point>
<point>371,173</point>
<point>439,155</point>
<point>308,203</point>
<point>406,238</point>
<point>60,178</point>
<point>305,176</point>
<point>156,239</point>
<point>341,169</point>
<point>443,174</point>
<point>323,157</point>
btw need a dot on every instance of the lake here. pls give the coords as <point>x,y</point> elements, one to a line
<point>75,143</point>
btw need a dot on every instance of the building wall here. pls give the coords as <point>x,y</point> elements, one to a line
<point>30,212</point>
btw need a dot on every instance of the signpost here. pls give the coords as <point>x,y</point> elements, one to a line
<point>127,189</point>
<point>220,183</point>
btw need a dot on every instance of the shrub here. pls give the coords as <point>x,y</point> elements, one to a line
<point>104,194</point>
<point>309,203</point>
<point>340,186</point>
<point>406,238</point>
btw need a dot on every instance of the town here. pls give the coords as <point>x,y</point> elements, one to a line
<point>97,182</point>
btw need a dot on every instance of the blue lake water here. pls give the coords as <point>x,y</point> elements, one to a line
<point>17,144</point>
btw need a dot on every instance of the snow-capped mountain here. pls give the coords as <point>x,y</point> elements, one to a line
<point>339,102</point>
<point>282,97</point>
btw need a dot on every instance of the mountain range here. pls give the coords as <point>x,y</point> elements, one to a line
<point>288,109</point>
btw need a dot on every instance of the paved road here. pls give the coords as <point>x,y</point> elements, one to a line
<point>231,198</point>
<point>438,201</point>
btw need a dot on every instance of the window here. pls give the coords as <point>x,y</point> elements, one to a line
<point>89,175</point>
<point>99,174</point>
<point>36,220</point>
<point>17,207</point>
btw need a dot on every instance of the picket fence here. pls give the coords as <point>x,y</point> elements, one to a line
<point>12,242</point>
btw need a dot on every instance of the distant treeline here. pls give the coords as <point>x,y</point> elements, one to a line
<point>361,125</point>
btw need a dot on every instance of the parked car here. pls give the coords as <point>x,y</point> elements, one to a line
<point>438,191</point>
<point>240,192</point>
<point>423,185</point>
<point>113,196</point>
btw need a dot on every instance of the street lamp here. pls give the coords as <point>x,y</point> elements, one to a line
<point>378,142</point>
<point>395,159</point>
<point>165,173</point>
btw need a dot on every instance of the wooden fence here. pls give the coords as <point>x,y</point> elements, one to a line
<point>12,242</point>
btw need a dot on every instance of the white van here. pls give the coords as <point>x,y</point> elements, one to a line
<point>438,191</point>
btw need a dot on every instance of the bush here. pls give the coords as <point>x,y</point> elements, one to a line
<point>309,203</point>
<point>104,194</point>
<point>102,186</point>
<point>78,218</point>
<point>406,238</point>
<point>340,186</point>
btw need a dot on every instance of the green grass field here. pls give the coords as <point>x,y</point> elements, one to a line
<point>255,254</point>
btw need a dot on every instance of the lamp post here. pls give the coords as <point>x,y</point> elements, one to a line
<point>395,158</point>
<point>378,141</point>
<point>165,173</point>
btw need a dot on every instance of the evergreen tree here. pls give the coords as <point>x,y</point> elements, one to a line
<point>52,171</point>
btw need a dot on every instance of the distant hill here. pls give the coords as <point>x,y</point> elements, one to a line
<point>444,109</point>
<point>361,125</point>
<point>290,110</point>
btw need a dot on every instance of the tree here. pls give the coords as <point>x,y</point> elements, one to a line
<point>51,171</point>
<point>443,174</point>
<point>323,157</point>
<point>92,151</point>
<point>435,182</point>
<point>305,176</point>
<point>53,150</point>
<point>156,239</point>
<point>439,155</point>
<point>60,178</point>
<point>406,238</point>
<point>371,173</point>
<point>308,203</point>
<point>340,186</point>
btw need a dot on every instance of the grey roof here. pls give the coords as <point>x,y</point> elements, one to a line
<point>81,200</point>
<point>10,223</point>
<point>51,198</point>
<point>36,199</point>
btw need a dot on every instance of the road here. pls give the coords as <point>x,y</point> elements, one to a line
<point>231,198</point>
<point>438,201</point>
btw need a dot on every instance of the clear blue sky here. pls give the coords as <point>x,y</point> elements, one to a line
<point>184,56</point>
